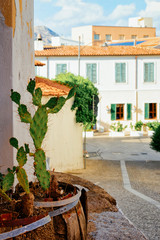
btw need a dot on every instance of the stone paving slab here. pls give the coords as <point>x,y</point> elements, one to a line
<point>113,226</point>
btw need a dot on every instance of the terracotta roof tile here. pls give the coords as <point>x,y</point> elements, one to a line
<point>51,88</point>
<point>97,51</point>
<point>38,63</point>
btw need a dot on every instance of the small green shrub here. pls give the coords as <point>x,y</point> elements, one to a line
<point>138,125</point>
<point>152,125</point>
<point>155,143</point>
<point>118,127</point>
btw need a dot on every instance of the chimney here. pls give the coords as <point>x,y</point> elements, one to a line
<point>38,44</point>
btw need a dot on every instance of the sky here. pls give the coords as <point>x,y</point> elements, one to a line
<point>61,15</point>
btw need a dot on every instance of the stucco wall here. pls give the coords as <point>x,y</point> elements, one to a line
<point>110,91</point>
<point>17,67</point>
<point>63,142</point>
<point>6,85</point>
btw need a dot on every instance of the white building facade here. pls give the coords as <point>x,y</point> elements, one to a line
<point>128,80</point>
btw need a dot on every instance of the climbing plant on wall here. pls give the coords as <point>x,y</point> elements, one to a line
<point>86,93</point>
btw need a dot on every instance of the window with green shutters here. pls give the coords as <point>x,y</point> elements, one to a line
<point>92,72</point>
<point>148,72</point>
<point>61,68</point>
<point>150,110</point>
<point>120,72</point>
<point>117,111</point>
<point>129,111</point>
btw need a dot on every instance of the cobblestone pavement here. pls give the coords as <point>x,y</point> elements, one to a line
<point>143,168</point>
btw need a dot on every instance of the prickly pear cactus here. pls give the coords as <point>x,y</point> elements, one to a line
<point>38,129</point>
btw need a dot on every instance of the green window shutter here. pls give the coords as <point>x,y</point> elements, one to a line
<point>151,72</point>
<point>123,72</point>
<point>148,72</point>
<point>120,72</point>
<point>58,69</point>
<point>129,111</point>
<point>61,68</point>
<point>146,110</point>
<point>64,68</point>
<point>92,72</point>
<point>113,111</point>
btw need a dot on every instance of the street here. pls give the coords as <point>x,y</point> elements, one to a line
<point>130,171</point>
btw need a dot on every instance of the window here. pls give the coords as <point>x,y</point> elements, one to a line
<point>134,36</point>
<point>150,111</point>
<point>96,37</point>
<point>148,72</point>
<point>121,37</point>
<point>108,37</point>
<point>92,72</point>
<point>117,111</point>
<point>145,36</point>
<point>61,68</point>
<point>120,72</point>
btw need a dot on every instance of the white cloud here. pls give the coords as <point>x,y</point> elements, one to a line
<point>152,10</point>
<point>122,11</point>
<point>75,13</point>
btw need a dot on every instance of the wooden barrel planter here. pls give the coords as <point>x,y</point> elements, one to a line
<point>69,216</point>
<point>36,227</point>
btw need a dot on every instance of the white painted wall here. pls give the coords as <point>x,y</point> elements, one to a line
<point>140,22</point>
<point>111,92</point>
<point>16,67</point>
<point>85,33</point>
<point>63,143</point>
<point>58,41</point>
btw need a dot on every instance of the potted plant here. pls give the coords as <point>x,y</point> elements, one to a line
<point>137,129</point>
<point>117,129</point>
<point>21,203</point>
<point>152,126</point>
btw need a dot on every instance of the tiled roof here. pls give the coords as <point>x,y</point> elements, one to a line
<point>51,88</point>
<point>38,63</point>
<point>150,42</point>
<point>97,51</point>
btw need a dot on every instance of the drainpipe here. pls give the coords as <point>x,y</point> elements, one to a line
<point>79,55</point>
<point>136,87</point>
<point>47,67</point>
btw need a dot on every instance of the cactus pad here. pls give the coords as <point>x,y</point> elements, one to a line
<point>52,102</point>
<point>31,86</point>
<point>21,156</point>
<point>14,142</point>
<point>15,96</point>
<point>61,101</point>
<point>8,181</point>
<point>40,169</point>
<point>23,179</point>
<point>71,93</point>
<point>24,114</point>
<point>37,97</point>
<point>38,127</point>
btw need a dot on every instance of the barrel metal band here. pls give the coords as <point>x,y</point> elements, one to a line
<point>63,209</point>
<point>58,203</point>
<point>25,229</point>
